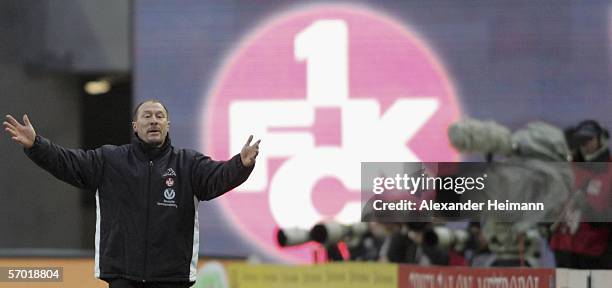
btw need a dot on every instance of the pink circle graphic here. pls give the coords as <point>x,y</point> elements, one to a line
<point>386,62</point>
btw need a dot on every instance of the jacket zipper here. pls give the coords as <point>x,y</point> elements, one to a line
<point>147,223</point>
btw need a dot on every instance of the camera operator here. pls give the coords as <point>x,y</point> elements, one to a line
<point>577,244</point>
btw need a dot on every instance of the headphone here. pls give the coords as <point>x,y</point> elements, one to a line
<point>602,134</point>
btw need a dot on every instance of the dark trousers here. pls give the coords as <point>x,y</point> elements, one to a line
<point>123,283</point>
<point>566,259</point>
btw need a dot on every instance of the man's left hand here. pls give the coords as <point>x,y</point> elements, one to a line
<point>249,152</point>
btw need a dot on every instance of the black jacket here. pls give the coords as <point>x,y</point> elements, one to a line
<point>147,203</point>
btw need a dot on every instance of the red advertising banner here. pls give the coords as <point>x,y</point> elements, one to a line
<point>464,277</point>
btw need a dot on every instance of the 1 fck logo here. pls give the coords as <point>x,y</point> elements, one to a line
<point>326,89</point>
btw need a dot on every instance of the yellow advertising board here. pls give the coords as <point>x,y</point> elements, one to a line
<point>340,275</point>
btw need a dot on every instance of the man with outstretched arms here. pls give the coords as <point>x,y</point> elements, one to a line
<point>147,195</point>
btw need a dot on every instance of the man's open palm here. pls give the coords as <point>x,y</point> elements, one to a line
<point>249,152</point>
<point>22,134</point>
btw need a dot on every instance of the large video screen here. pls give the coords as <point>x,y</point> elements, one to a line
<point>329,85</point>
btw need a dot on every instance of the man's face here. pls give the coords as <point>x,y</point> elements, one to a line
<point>590,146</point>
<point>151,123</point>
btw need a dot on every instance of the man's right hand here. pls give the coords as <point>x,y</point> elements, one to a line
<point>22,134</point>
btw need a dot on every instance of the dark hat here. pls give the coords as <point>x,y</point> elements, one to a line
<point>586,131</point>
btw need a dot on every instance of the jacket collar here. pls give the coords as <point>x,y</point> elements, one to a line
<point>148,151</point>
